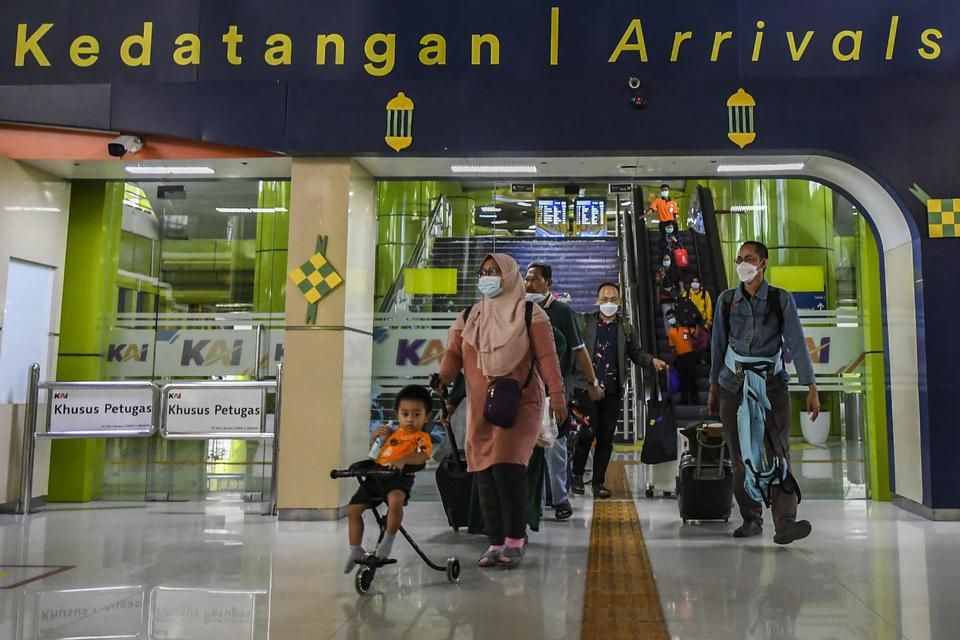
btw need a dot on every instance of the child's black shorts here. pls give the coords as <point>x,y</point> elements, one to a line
<point>375,490</point>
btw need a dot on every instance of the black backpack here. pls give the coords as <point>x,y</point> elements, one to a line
<point>773,306</point>
<point>688,315</point>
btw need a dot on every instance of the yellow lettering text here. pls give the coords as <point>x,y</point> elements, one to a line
<point>142,40</point>
<point>324,41</point>
<point>854,54</point>
<point>280,51</point>
<point>492,42</point>
<point>380,63</point>
<point>718,39</point>
<point>232,38</point>
<point>188,49</point>
<point>931,50</point>
<point>634,32</point>
<point>31,45</point>
<point>434,50</point>
<point>84,51</point>
<point>892,38</point>
<point>796,53</point>
<point>758,41</point>
<point>678,39</point>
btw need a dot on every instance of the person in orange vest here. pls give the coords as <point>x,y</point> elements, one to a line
<point>665,207</point>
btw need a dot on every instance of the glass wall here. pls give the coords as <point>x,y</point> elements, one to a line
<point>194,277</point>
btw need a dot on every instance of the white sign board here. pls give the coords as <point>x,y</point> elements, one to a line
<point>110,612</point>
<point>75,409</point>
<point>201,614</point>
<point>833,350</point>
<point>212,409</point>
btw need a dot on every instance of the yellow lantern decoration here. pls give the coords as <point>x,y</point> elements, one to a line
<point>740,108</point>
<point>399,122</point>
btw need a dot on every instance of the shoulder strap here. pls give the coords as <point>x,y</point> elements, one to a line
<point>527,319</point>
<point>528,315</point>
<point>726,301</point>
<point>774,304</point>
<point>466,312</point>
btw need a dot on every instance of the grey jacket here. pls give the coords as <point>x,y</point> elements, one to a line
<point>628,347</point>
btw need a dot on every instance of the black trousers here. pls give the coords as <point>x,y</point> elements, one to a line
<point>687,368</point>
<point>603,423</point>
<point>503,501</point>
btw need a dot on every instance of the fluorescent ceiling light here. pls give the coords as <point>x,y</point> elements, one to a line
<point>170,171</point>
<point>533,227</point>
<point>524,204</point>
<point>251,210</point>
<point>498,222</point>
<point>491,209</point>
<point>760,168</point>
<point>34,209</point>
<point>493,168</point>
<point>742,208</point>
<point>488,216</point>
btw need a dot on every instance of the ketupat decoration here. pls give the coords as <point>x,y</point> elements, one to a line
<point>315,278</point>
<point>943,214</point>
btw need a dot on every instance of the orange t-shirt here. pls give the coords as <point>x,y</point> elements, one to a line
<point>681,339</point>
<point>666,209</point>
<point>401,443</point>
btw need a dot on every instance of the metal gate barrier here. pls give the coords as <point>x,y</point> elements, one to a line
<point>177,411</point>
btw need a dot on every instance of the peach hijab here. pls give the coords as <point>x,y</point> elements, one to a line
<point>496,327</point>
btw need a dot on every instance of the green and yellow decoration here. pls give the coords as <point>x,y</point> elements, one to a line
<point>399,122</point>
<point>315,278</point>
<point>943,214</point>
<point>741,129</point>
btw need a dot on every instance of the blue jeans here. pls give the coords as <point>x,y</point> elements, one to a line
<point>558,476</point>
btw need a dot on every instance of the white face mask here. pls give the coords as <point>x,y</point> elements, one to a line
<point>536,298</point>
<point>609,309</point>
<point>695,286</point>
<point>490,286</point>
<point>747,272</point>
<point>666,263</point>
<point>665,193</point>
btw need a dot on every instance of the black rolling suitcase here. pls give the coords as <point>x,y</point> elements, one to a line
<point>705,489</point>
<point>455,484</point>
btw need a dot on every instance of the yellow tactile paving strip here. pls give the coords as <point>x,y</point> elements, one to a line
<point>621,600</point>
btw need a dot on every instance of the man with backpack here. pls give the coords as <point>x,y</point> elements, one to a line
<point>570,346</point>
<point>748,388</point>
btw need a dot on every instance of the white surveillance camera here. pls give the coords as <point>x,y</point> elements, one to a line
<point>124,145</point>
<point>634,83</point>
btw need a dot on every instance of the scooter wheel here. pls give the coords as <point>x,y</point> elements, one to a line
<point>363,580</point>
<point>453,570</point>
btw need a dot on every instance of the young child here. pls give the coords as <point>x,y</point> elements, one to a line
<point>408,444</point>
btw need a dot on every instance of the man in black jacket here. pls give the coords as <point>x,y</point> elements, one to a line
<point>610,341</point>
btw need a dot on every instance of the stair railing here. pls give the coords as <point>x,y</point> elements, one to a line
<point>438,226</point>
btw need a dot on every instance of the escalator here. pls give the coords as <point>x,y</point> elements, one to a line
<point>706,260</point>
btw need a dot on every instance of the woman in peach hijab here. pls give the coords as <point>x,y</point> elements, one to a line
<point>493,342</point>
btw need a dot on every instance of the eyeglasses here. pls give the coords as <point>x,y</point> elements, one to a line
<point>749,259</point>
<point>492,271</point>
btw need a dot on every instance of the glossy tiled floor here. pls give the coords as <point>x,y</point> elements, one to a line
<point>206,572</point>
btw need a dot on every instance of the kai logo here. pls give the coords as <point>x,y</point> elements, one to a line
<point>419,352</point>
<point>818,354</point>
<point>128,352</point>
<point>174,395</point>
<point>204,353</point>
<point>61,395</point>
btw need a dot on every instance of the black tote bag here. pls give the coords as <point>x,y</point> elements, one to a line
<point>660,439</point>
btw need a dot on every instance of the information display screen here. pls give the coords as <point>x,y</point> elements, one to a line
<point>591,213</point>
<point>551,212</point>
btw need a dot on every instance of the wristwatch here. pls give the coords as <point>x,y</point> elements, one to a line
<point>595,383</point>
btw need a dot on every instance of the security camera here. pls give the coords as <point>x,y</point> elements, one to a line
<point>634,83</point>
<point>638,102</point>
<point>124,145</point>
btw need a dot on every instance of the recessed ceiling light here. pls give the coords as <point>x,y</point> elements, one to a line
<point>251,210</point>
<point>170,171</point>
<point>487,216</point>
<point>34,209</point>
<point>493,168</point>
<point>743,208</point>
<point>498,222</point>
<point>524,204</point>
<point>760,168</point>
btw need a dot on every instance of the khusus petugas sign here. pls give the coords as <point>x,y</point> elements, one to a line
<point>100,410</point>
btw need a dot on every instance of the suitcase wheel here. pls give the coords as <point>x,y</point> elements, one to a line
<point>456,529</point>
<point>649,492</point>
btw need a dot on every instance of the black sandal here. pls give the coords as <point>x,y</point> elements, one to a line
<point>563,512</point>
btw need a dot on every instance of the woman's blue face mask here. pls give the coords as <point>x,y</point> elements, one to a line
<point>490,286</point>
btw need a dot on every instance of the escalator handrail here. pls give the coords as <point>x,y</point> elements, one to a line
<point>714,247</point>
<point>643,277</point>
